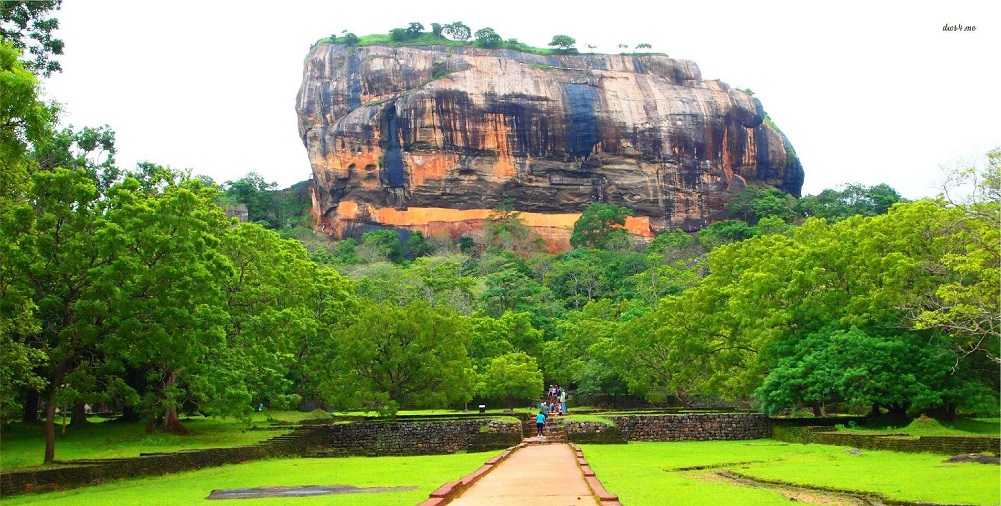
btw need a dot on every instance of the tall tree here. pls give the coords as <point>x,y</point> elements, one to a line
<point>169,314</point>
<point>600,226</point>
<point>25,120</point>
<point>487,37</point>
<point>457,31</point>
<point>257,194</point>
<point>269,299</point>
<point>92,149</point>
<point>966,304</point>
<point>394,357</point>
<point>60,256</point>
<point>24,24</point>
<point>510,378</point>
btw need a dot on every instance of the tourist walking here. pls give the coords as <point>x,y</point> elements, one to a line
<point>563,401</point>
<point>540,423</point>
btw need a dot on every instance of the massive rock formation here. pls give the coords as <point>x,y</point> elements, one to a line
<point>432,138</point>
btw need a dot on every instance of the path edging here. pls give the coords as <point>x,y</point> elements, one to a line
<point>604,497</point>
<point>453,489</point>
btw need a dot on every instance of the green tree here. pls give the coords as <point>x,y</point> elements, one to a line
<point>168,316</point>
<point>414,30</point>
<point>506,229</point>
<point>257,194</point>
<point>26,121</point>
<point>965,303</point>
<point>457,31</point>
<point>854,199</point>
<point>442,281</point>
<point>600,226</point>
<point>511,378</point>
<point>771,225</point>
<point>488,38</point>
<point>92,149</point>
<point>660,354</point>
<point>563,43</point>
<point>398,34</point>
<point>509,290</point>
<point>57,256</point>
<point>23,23</point>
<point>725,232</point>
<point>754,203</point>
<point>271,317</point>
<point>382,244</point>
<point>580,354</point>
<point>415,246</point>
<point>663,279</point>
<point>393,357</point>
<point>577,281</point>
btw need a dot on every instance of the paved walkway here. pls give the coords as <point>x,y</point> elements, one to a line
<point>535,474</point>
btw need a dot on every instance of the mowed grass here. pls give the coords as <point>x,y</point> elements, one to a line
<point>904,476</point>
<point>427,473</point>
<point>932,427</point>
<point>24,445</point>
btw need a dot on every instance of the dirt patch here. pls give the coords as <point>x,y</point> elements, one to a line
<point>975,457</point>
<point>799,494</point>
<point>302,491</point>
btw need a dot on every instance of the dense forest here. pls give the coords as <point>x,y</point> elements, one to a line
<point>132,289</point>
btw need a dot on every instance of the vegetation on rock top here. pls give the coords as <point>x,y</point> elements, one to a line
<point>457,34</point>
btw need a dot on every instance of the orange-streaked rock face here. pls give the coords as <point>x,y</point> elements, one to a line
<point>432,138</point>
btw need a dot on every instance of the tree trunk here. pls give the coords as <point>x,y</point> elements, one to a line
<point>50,428</point>
<point>30,414</point>
<point>170,421</point>
<point>79,415</point>
<point>816,409</point>
<point>950,412</point>
<point>129,415</point>
<point>897,411</point>
<point>875,410</point>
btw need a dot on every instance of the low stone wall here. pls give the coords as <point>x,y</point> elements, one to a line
<point>693,427</point>
<point>593,433</point>
<point>418,437</point>
<point>946,445</point>
<point>357,438</point>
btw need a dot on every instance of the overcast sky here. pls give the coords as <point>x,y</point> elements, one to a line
<point>868,92</point>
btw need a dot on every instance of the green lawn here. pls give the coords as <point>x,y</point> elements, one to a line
<point>914,477</point>
<point>932,427</point>
<point>427,473</point>
<point>587,418</point>
<point>24,445</point>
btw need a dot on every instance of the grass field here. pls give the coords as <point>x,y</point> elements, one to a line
<point>932,427</point>
<point>427,473</point>
<point>24,445</point>
<point>650,473</point>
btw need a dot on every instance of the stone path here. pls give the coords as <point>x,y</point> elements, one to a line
<point>536,474</point>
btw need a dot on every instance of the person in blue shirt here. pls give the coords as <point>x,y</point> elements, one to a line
<point>540,423</point>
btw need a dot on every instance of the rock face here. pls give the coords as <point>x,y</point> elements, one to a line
<point>433,138</point>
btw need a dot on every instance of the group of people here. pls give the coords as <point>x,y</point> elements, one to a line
<point>553,403</point>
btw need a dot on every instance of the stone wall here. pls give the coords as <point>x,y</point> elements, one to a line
<point>418,437</point>
<point>358,438</point>
<point>946,445</point>
<point>693,427</point>
<point>593,433</point>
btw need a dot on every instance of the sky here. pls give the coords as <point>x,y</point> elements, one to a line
<point>868,92</point>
